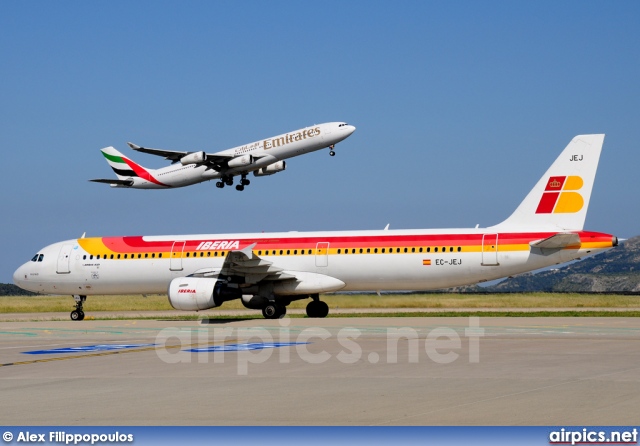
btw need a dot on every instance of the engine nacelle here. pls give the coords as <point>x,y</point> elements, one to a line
<point>200,293</point>
<point>241,161</point>
<point>278,166</point>
<point>193,158</point>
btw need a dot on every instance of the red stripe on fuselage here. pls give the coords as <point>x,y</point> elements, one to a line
<point>142,172</point>
<point>136,244</point>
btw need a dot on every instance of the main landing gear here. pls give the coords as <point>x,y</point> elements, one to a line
<point>274,311</point>
<point>78,314</point>
<point>317,308</point>
<point>331,152</point>
<point>229,182</point>
<point>243,182</point>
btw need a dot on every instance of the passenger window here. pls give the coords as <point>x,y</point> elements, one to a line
<point>118,255</point>
<point>222,254</point>
<point>360,250</point>
<point>281,252</point>
<point>459,249</point>
<point>160,255</point>
<point>309,251</point>
<point>98,257</point>
<point>208,254</point>
<point>288,251</point>
<point>435,249</point>
<point>382,250</point>
<point>375,250</point>
<point>215,253</point>
<point>201,254</point>
<point>125,256</point>
<point>84,257</point>
<point>111,257</point>
<point>444,249</point>
<point>451,249</point>
<point>295,252</point>
<point>91,257</point>
<point>368,250</point>
<point>339,251</point>
<point>259,253</point>
<point>413,249</point>
<point>428,249</point>
<point>406,250</point>
<point>187,254</point>
<point>353,251</point>
<point>139,256</point>
<point>420,249</point>
<point>153,256</point>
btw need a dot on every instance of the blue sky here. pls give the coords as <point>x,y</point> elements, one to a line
<point>459,106</point>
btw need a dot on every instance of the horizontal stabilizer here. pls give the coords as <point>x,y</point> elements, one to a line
<point>558,241</point>
<point>127,183</point>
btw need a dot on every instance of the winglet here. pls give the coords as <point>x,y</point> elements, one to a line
<point>133,146</point>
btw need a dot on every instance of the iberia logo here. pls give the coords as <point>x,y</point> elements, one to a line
<point>559,196</point>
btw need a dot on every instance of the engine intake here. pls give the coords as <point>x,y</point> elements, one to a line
<point>278,166</point>
<point>199,293</point>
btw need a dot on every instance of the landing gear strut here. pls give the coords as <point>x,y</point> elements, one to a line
<point>317,308</point>
<point>78,314</point>
<point>331,152</point>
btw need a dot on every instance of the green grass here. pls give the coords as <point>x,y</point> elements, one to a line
<point>445,301</point>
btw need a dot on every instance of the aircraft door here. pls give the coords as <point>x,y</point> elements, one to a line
<point>175,263</point>
<point>63,259</point>
<point>490,250</point>
<point>322,254</point>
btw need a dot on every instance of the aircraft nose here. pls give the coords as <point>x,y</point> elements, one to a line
<point>19,276</point>
<point>351,129</point>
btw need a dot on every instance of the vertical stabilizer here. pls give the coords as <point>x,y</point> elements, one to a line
<point>560,200</point>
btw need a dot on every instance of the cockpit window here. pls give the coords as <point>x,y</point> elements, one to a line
<point>343,124</point>
<point>35,258</point>
<point>40,257</point>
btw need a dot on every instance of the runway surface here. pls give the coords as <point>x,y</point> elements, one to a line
<point>340,371</point>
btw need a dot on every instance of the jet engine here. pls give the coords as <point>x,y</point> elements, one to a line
<point>241,161</point>
<point>278,166</point>
<point>193,158</point>
<point>200,293</point>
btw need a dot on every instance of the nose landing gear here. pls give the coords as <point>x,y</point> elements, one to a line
<point>331,152</point>
<point>78,314</point>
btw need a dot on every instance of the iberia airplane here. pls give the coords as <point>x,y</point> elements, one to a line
<point>269,271</point>
<point>263,158</point>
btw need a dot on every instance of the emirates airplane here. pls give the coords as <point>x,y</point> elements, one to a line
<point>264,157</point>
<point>269,271</point>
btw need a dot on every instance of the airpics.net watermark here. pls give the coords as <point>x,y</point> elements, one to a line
<point>256,345</point>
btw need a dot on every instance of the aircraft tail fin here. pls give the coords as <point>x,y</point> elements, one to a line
<point>121,165</point>
<point>560,199</point>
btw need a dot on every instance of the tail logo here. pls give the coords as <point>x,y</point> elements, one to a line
<point>559,196</point>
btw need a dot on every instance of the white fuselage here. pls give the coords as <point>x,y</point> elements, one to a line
<point>263,152</point>
<point>362,260</point>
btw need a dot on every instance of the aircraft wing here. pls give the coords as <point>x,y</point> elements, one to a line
<point>118,182</point>
<point>254,269</point>
<point>174,156</point>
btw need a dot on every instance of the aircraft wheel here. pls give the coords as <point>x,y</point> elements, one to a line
<point>229,182</point>
<point>75,315</point>
<point>322,309</point>
<point>332,153</point>
<point>81,315</point>
<point>274,311</point>
<point>240,187</point>
<point>317,309</point>
<point>245,182</point>
<point>220,184</point>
